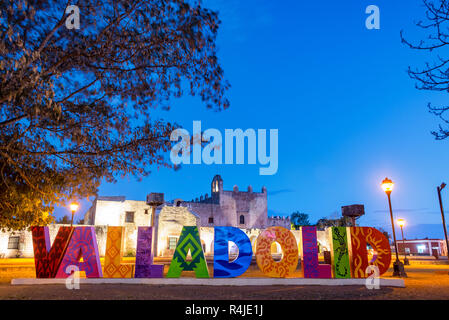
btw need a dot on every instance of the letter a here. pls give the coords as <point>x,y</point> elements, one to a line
<point>82,245</point>
<point>73,20</point>
<point>189,240</point>
<point>373,21</point>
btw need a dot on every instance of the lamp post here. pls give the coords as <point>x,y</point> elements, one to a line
<point>398,266</point>
<point>439,188</point>
<point>73,207</point>
<point>401,223</point>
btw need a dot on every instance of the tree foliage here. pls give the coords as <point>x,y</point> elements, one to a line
<point>340,222</point>
<point>76,104</point>
<point>64,220</point>
<point>299,219</point>
<point>433,76</point>
<point>385,233</point>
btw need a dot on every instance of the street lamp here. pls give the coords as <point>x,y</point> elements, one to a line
<point>439,188</point>
<point>73,207</point>
<point>398,266</point>
<point>401,223</point>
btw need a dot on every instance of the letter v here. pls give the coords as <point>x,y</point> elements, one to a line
<point>47,258</point>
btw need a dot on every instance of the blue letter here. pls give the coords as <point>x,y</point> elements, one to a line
<point>222,267</point>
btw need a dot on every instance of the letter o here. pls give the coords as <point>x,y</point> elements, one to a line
<point>266,263</point>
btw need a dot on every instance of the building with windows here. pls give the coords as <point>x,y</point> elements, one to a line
<point>423,247</point>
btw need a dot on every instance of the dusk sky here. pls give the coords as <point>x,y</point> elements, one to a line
<point>347,113</point>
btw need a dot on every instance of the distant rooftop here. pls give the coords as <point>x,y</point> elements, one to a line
<point>112,198</point>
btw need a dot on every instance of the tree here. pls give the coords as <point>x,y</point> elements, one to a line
<point>385,233</point>
<point>299,219</point>
<point>434,76</point>
<point>76,103</point>
<point>64,220</point>
<point>340,222</point>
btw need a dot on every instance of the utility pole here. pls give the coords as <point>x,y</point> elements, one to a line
<point>439,188</point>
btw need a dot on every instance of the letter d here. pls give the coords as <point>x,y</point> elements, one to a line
<point>222,267</point>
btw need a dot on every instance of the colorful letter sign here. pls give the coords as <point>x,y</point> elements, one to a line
<point>83,244</point>
<point>222,267</point>
<point>312,269</point>
<point>360,236</point>
<point>113,266</point>
<point>76,248</point>
<point>144,256</point>
<point>340,254</point>
<point>47,258</point>
<point>188,241</point>
<point>287,241</point>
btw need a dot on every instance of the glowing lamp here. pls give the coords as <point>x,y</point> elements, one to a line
<point>74,206</point>
<point>387,185</point>
<point>401,222</point>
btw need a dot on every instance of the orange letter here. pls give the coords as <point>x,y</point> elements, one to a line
<point>360,236</point>
<point>113,266</point>
<point>289,262</point>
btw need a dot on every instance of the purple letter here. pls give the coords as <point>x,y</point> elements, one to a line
<point>312,269</point>
<point>83,244</point>
<point>144,255</point>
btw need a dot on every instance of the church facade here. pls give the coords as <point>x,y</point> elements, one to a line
<point>241,209</point>
<point>246,210</point>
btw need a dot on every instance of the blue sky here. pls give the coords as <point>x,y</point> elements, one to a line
<point>347,113</point>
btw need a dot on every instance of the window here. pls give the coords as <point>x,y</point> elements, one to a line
<point>13,242</point>
<point>129,217</point>
<point>407,250</point>
<point>146,211</point>
<point>242,219</point>
<point>211,220</point>
<point>172,243</point>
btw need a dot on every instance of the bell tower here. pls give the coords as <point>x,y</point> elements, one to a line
<point>217,185</point>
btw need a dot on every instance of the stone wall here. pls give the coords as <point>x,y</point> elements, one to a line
<point>279,221</point>
<point>206,211</point>
<point>226,207</point>
<point>112,211</point>
<point>25,245</point>
<point>169,223</point>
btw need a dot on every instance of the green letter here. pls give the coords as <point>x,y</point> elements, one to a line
<point>188,241</point>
